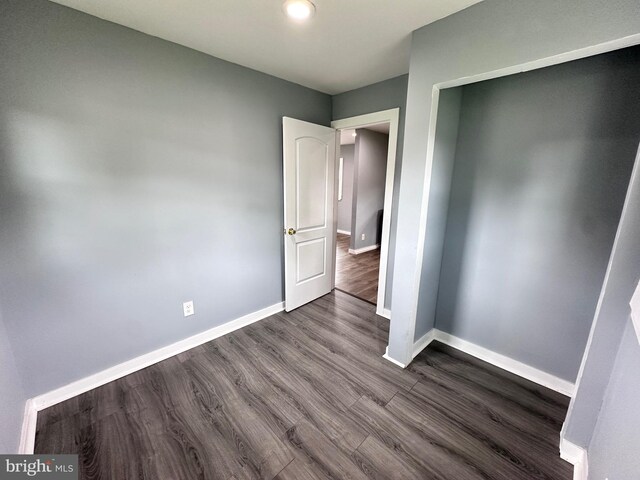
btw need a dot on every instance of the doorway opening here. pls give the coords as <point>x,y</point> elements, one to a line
<point>364,200</point>
<point>361,180</point>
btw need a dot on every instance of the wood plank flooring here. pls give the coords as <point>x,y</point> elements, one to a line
<point>307,395</point>
<point>357,274</point>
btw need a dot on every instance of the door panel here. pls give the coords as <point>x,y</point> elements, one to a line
<point>309,219</point>
<point>312,170</point>
<point>311,259</point>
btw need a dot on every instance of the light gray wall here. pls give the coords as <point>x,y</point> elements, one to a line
<point>488,36</point>
<point>613,452</point>
<point>444,157</point>
<point>135,174</point>
<point>542,165</point>
<point>369,173</point>
<point>609,324</point>
<point>12,396</point>
<point>374,98</point>
<point>345,205</point>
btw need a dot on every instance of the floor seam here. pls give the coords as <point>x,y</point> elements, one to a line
<point>360,444</point>
<point>394,396</point>
<point>281,470</point>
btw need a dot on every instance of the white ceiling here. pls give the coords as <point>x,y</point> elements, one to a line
<point>347,44</point>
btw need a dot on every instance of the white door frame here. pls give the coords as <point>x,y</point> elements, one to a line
<point>391,116</point>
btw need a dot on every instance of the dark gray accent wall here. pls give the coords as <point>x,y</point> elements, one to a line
<point>486,37</point>
<point>12,396</point>
<point>135,174</point>
<point>611,318</point>
<point>345,213</point>
<point>374,98</point>
<point>542,165</point>
<point>369,173</point>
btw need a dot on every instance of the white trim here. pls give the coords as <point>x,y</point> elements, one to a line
<point>634,303</point>
<point>358,251</point>
<point>422,223</point>
<point>423,342</point>
<point>506,363</point>
<point>396,362</point>
<point>334,227</point>
<point>28,434</point>
<point>340,174</point>
<point>393,117</point>
<point>625,208</point>
<point>386,313</point>
<point>344,232</point>
<point>46,400</point>
<point>577,456</point>
<point>589,51</point>
<point>118,371</point>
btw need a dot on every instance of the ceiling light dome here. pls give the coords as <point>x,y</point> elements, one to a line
<point>299,9</point>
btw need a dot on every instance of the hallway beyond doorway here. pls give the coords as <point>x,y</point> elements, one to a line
<point>357,274</point>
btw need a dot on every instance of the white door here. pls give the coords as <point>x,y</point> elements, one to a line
<point>309,153</point>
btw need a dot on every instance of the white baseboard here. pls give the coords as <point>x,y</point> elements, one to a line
<point>358,251</point>
<point>28,434</point>
<point>396,362</point>
<point>118,371</point>
<point>506,363</point>
<point>423,341</point>
<point>385,312</point>
<point>577,456</point>
<point>344,232</point>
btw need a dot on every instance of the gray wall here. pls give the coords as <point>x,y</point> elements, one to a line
<point>12,397</point>
<point>374,98</point>
<point>613,452</point>
<point>542,165</point>
<point>135,174</point>
<point>444,158</point>
<point>488,36</point>
<point>610,321</point>
<point>369,173</point>
<point>345,213</point>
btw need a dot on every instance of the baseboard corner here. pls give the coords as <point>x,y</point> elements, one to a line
<point>576,456</point>
<point>392,360</point>
<point>422,343</point>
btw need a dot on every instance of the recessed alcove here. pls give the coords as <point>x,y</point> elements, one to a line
<point>530,171</point>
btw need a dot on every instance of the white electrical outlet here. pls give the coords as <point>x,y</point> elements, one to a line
<point>362,236</point>
<point>187,307</point>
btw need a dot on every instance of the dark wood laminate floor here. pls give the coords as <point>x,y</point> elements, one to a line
<point>357,274</point>
<point>307,395</point>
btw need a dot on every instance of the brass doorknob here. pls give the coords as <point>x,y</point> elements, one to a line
<point>291,231</point>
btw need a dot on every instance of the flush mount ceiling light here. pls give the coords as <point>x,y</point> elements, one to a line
<point>299,9</point>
